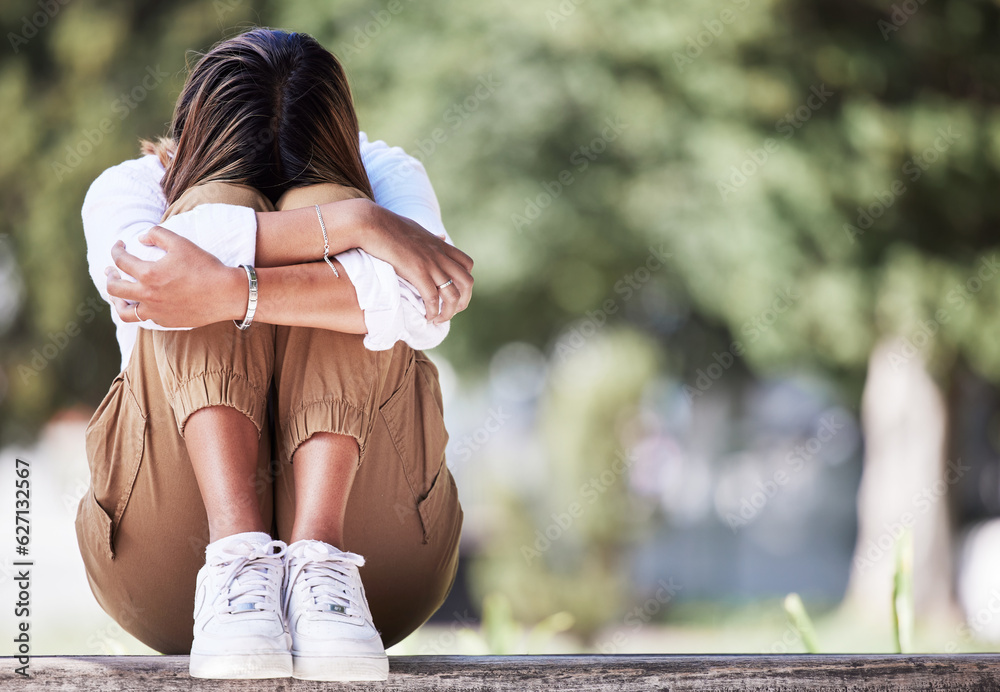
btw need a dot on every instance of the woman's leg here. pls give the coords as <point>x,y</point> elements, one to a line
<point>370,429</point>
<point>222,441</point>
<point>239,629</point>
<point>326,462</point>
<point>403,513</point>
<point>143,527</point>
<point>186,420</point>
<point>325,466</point>
<point>222,445</point>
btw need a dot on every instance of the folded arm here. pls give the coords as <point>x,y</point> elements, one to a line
<point>397,255</point>
<point>125,201</point>
<point>304,295</point>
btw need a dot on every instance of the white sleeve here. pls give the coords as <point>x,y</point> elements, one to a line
<point>393,308</point>
<point>126,200</point>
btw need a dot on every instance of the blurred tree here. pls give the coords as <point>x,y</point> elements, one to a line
<point>818,175</point>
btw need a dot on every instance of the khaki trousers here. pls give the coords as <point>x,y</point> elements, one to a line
<point>142,528</point>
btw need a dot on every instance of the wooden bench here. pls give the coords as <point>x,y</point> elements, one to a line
<point>979,672</point>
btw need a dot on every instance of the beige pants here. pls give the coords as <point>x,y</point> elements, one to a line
<point>142,529</point>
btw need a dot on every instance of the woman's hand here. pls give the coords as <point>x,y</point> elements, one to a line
<point>423,259</point>
<point>187,287</point>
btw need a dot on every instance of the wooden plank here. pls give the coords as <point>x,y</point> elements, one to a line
<point>974,673</point>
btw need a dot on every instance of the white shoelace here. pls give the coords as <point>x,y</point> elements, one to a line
<point>324,576</point>
<point>245,582</point>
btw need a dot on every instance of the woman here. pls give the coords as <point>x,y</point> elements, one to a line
<point>265,196</point>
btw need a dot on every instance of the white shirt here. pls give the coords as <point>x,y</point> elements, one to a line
<point>126,200</point>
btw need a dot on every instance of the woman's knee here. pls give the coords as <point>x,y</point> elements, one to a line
<point>321,193</point>
<point>219,193</point>
<point>326,382</point>
<point>216,365</point>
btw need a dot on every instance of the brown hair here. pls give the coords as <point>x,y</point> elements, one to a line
<point>269,109</point>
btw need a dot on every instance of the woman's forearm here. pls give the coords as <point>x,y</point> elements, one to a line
<point>300,295</point>
<point>294,236</point>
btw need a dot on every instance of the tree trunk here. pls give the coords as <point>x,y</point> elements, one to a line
<point>903,485</point>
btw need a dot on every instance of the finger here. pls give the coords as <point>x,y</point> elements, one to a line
<point>460,257</point>
<point>464,284</point>
<point>428,294</point>
<point>120,288</point>
<point>160,237</point>
<point>128,263</point>
<point>462,280</point>
<point>450,296</point>
<point>125,311</point>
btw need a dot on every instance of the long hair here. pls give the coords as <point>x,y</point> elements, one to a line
<point>269,109</point>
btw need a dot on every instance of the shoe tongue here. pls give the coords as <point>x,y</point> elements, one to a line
<point>237,545</point>
<point>319,551</point>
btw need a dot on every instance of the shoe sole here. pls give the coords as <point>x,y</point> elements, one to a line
<point>340,668</point>
<point>245,667</point>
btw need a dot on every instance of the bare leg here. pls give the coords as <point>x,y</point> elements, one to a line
<point>325,464</point>
<point>324,468</point>
<point>222,443</point>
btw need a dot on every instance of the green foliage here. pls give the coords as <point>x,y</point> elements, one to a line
<point>746,140</point>
<point>554,75</point>
<point>799,618</point>
<point>902,593</point>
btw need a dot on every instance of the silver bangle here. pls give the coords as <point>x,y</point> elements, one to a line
<point>252,301</point>
<point>326,242</point>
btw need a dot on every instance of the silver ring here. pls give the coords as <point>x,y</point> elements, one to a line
<point>449,282</point>
<point>135,307</point>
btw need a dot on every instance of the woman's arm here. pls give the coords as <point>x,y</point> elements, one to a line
<point>190,288</point>
<point>423,260</point>
<point>405,255</point>
<point>126,200</point>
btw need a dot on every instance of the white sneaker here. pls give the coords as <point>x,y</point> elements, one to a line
<point>333,636</point>
<point>239,631</point>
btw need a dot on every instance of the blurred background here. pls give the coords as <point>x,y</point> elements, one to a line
<point>735,326</point>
